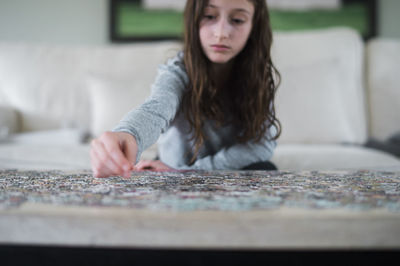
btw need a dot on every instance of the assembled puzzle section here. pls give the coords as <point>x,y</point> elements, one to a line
<point>202,190</point>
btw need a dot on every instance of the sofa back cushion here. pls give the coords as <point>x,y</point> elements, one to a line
<point>383,82</point>
<point>111,99</point>
<point>321,97</point>
<point>47,84</point>
<point>43,84</point>
<point>120,79</point>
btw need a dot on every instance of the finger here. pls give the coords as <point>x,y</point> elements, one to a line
<point>114,151</point>
<point>160,166</point>
<point>98,172</point>
<point>144,165</point>
<point>95,163</point>
<point>107,160</point>
<point>156,166</point>
<point>130,151</point>
<point>104,161</point>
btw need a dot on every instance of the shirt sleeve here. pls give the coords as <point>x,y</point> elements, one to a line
<point>236,156</point>
<point>147,122</point>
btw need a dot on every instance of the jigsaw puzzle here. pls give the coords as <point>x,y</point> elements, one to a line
<point>205,190</point>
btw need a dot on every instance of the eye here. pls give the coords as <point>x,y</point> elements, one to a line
<point>209,17</point>
<point>237,21</point>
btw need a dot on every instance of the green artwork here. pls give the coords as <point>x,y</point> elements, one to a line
<point>134,21</point>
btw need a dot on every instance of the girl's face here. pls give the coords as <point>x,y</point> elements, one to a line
<point>225,28</point>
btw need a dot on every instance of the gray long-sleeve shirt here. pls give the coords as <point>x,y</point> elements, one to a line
<point>160,118</point>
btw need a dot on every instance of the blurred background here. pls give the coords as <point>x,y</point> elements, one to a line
<point>62,82</point>
<point>105,21</point>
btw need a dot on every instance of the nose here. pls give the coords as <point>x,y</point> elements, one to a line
<point>222,29</point>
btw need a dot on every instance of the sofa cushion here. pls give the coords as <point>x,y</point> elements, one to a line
<point>43,83</point>
<point>330,157</point>
<point>321,97</point>
<point>55,137</point>
<point>49,156</point>
<point>40,156</point>
<point>111,99</point>
<point>47,83</point>
<point>383,64</point>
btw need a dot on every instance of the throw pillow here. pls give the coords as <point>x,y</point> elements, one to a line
<point>316,104</point>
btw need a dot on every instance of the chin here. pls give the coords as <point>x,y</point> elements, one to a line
<point>220,59</point>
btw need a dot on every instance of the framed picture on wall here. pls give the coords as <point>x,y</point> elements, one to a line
<point>153,20</point>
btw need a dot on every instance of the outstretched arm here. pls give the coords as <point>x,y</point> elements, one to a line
<point>152,118</point>
<point>116,153</point>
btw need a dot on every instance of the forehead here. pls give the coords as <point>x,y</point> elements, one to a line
<point>245,6</point>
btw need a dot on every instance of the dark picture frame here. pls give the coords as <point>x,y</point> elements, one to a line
<point>116,36</point>
<point>114,33</point>
<point>372,7</point>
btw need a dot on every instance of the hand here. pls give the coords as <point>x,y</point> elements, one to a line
<point>113,153</point>
<point>151,165</point>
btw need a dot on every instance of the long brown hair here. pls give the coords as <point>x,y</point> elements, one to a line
<point>252,85</point>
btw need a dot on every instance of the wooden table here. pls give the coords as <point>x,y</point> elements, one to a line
<point>220,211</point>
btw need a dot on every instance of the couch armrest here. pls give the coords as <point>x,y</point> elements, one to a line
<point>9,121</point>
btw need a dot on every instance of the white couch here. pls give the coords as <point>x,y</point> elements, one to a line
<point>336,92</point>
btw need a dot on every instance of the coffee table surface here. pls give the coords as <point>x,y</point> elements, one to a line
<point>217,209</point>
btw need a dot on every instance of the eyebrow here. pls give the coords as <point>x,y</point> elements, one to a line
<point>236,9</point>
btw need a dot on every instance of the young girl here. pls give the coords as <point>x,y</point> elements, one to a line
<point>213,103</point>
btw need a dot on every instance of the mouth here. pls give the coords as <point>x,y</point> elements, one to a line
<point>220,47</point>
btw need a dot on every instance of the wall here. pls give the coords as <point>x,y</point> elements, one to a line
<point>86,21</point>
<point>54,21</point>
<point>388,16</point>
